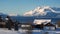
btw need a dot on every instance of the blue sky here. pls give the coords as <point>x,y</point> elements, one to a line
<point>21,6</point>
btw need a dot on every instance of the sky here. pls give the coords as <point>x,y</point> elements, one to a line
<point>21,6</point>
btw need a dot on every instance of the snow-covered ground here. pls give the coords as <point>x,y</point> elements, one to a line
<point>21,31</point>
<point>6,31</point>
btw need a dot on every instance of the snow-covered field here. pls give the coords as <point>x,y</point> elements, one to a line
<point>6,31</point>
<point>21,31</point>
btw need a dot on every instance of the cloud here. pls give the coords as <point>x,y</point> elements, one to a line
<point>11,14</point>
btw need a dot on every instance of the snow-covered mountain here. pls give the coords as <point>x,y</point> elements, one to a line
<point>37,13</point>
<point>40,11</point>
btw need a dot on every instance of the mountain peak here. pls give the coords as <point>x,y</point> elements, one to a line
<point>39,11</point>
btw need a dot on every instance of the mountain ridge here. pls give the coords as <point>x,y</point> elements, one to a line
<point>40,11</point>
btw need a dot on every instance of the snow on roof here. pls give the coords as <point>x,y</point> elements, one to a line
<point>40,21</point>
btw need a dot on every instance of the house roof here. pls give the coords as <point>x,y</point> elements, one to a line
<point>49,24</point>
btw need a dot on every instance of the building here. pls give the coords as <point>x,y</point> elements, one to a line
<point>39,23</point>
<point>49,26</point>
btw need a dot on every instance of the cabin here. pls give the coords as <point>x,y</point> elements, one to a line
<point>39,23</point>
